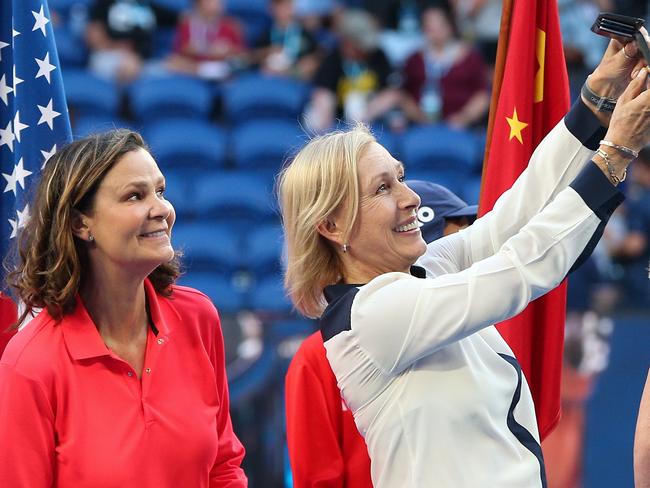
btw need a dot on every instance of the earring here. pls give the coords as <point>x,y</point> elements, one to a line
<point>344,248</point>
<point>91,238</point>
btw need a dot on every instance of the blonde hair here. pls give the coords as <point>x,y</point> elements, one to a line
<point>321,177</point>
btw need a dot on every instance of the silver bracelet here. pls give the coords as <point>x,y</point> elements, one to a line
<point>623,149</point>
<point>603,104</point>
<point>610,169</point>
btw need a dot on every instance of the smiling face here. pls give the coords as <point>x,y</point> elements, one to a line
<point>386,235</point>
<point>130,220</point>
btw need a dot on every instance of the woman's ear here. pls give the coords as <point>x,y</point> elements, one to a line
<point>328,229</point>
<point>80,226</point>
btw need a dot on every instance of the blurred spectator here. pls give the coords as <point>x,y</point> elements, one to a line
<point>206,42</point>
<point>582,48</point>
<point>447,78</point>
<point>632,252</point>
<point>480,22</point>
<point>634,8</point>
<point>401,15</point>
<point>287,48</point>
<point>120,36</point>
<point>354,81</point>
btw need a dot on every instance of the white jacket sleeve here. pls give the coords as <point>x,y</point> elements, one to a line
<point>555,163</point>
<point>399,319</point>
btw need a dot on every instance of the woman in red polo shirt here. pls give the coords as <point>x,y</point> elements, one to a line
<point>120,380</point>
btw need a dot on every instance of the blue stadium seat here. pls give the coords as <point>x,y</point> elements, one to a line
<point>449,179</point>
<point>89,95</point>
<point>84,126</point>
<point>173,5</point>
<point>187,144</point>
<point>253,16</point>
<point>439,147</point>
<point>70,47</point>
<point>220,289</point>
<point>179,190</point>
<point>470,190</point>
<point>264,245</point>
<point>237,197</point>
<point>265,144</point>
<point>256,97</point>
<point>268,295</point>
<point>160,97</point>
<point>209,246</point>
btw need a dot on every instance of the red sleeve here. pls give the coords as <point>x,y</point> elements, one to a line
<point>26,432</point>
<point>182,36</point>
<point>233,33</point>
<point>226,472</point>
<point>414,76</point>
<point>313,410</point>
<point>7,318</point>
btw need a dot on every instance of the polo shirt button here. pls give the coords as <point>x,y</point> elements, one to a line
<point>160,341</point>
<point>148,370</point>
<point>129,373</point>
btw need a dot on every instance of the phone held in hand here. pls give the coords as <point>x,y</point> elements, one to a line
<point>624,29</point>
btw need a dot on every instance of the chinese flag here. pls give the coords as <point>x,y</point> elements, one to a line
<point>530,95</point>
<point>7,318</point>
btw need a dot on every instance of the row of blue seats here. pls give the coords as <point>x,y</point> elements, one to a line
<point>264,145</point>
<point>163,96</point>
<point>240,198</point>
<point>264,295</point>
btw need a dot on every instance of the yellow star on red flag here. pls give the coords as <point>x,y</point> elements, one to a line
<point>516,126</point>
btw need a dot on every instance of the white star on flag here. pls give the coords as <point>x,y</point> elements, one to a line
<point>44,67</point>
<point>14,33</point>
<point>2,46</point>
<point>18,175</point>
<point>5,90</point>
<point>17,81</point>
<point>21,221</point>
<point>18,126</point>
<point>41,20</point>
<point>48,114</point>
<point>47,155</point>
<point>7,137</point>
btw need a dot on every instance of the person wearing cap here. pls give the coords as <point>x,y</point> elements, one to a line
<point>435,391</point>
<point>325,447</point>
<point>355,81</point>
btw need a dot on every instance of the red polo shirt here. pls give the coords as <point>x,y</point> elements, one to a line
<point>325,447</point>
<point>73,414</point>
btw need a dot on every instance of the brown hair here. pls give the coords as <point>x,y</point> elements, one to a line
<point>50,264</point>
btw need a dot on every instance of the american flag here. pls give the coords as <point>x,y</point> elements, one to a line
<point>34,119</point>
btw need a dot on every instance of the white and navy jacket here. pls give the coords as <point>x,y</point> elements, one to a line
<point>434,389</point>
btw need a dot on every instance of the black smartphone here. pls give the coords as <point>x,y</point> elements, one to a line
<point>624,29</point>
<point>620,27</point>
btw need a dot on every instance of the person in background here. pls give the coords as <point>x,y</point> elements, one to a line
<point>354,81</point>
<point>120,34</point>
<point>206,42</point>
<point>434,389</point>
<point>447,78</point>
<point>632,252</point>
<point>325,447</point>
<point>287,48</point>
<point>120,379</point>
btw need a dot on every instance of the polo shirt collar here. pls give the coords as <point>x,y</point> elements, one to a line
<point>82,337</point>
<point>334,292</point>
